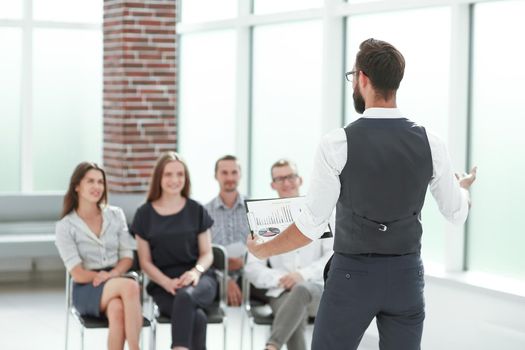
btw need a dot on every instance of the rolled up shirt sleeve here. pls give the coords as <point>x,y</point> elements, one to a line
<point>325,185</point>
<point>452,200</point>
<point>66,245</point>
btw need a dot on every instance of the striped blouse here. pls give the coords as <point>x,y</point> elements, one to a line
<point>77,244</point>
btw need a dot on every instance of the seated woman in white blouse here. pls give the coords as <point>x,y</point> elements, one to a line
<point>96,247</point>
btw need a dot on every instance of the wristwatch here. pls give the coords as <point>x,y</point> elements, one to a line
<point>199,268</point>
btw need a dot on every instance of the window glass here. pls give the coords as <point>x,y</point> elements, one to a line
<point>11,9</point>
<point>271,6</point>
<point>207,10</point>
<point>67,104</point>
<point>286,99</point>
<point>10,71</point>
<point>206,105</point>
<point>78,11</point>
<point>495,231</point>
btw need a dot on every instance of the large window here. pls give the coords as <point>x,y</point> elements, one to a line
<point>11,58</point>
<point>10,9</point>
<point>281,75</point>
<point>207,106</point>
<point>286,99</point>
<point>270,6</point>
<point>51,106</point>
<point>423,95</point>
<point>71,11</point>
<point>496,237</point>
<point>207,10</point>
<point>67,104</point>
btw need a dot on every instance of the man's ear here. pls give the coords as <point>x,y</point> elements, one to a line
<point>363,79</point>
<point>300,181</point>
<point>272,184</point>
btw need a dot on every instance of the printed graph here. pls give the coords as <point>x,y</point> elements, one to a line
<point>281,215</point>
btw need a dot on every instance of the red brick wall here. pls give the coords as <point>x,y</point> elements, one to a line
<point>139,89</point>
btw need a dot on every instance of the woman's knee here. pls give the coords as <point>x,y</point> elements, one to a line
<point>130,289</point>
<point>184,296</point>
<point>115,311</point>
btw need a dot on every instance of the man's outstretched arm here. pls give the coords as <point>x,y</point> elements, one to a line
<point>291,239</point>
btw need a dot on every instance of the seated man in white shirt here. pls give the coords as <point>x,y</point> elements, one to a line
<point>295,279</point>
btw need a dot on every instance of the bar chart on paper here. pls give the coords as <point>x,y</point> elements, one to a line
<point>269,217</point>
<point>281,215</point>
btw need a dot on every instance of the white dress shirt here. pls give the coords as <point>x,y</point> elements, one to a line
<point>309,261</point>
<point>77,244</point>
<point>331,158</point>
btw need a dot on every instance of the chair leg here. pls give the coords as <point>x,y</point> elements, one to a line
<point>67,328</point>
<point>251,333</point>
<point>141,337</point>
<point>81,338</point>
<point>224,333</point>
<point>242,327</point>
<point>153,341</point>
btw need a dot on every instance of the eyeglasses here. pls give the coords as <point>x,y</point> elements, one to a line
<point>282,179</point>
<point>350,75</point>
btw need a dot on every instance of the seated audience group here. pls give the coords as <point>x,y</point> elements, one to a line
<point>174,236</point>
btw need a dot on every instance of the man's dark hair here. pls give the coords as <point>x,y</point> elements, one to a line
<point>383,64</point>
<point>226,157</point>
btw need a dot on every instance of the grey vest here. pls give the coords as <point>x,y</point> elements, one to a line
<point>383,187</point>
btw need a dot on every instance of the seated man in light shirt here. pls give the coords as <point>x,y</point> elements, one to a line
<point>230,226</point>
<point>297,274</point>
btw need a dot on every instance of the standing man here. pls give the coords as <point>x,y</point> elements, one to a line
<point>230,226</point>
<point>376,170</point>
<point>297,275</point>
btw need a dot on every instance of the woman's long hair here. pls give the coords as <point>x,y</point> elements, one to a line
<point>71,197</point>
<point>155,189</point>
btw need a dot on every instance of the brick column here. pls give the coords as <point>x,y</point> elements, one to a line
<point>139,89</point>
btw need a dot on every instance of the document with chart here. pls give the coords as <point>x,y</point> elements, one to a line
<point>269,217</point>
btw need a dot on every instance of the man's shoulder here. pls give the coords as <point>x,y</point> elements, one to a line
<point>334,136</point>
<point>211,204</point>
<point>241,198</point>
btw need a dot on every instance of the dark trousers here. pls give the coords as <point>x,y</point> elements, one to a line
<point>360,288</point>
<point>188,319</point>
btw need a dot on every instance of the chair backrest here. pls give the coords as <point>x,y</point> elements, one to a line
<point>220,260</point>
<point>253,296</point>
<point>135,266</point>
<point>220,264</point>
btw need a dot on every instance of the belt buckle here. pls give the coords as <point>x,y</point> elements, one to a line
<point>382,227</point>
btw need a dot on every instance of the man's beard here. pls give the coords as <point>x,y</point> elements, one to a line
<point>359,101</point>
<point>230,187</point>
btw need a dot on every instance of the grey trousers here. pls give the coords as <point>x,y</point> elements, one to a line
<point>360,288</point>
<point>291,311</point>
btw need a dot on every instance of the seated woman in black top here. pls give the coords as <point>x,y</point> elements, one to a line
<point>174,246</point>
